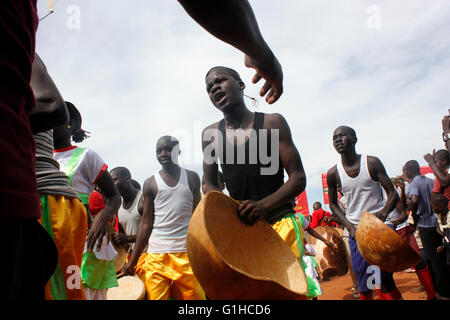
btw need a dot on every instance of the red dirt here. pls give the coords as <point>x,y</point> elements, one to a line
<point>339,288</point>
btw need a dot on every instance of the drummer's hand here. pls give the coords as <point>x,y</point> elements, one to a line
<point>119,238</point>
<point>99,228</point>
<point>330,244</point>
<point>381,214</point>
<point>250,211</point>
<point>352,232</point>
<point>128,269</point>
<point>271,71</point>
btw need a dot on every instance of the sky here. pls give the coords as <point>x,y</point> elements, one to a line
<point>136,69</point>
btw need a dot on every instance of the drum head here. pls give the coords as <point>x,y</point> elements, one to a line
<point>130,288</point>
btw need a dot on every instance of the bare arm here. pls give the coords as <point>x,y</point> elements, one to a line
<point>378,173</point>
<point>145,228</point>
<point>251,211</point>
<point>442,176</point>
<point>100,225</point>
<point>234,22</point>
<point>50,110</point>
<point>194,185</point>
<point>316,235</point>
<point>332,182</point>
<point>210,166</point>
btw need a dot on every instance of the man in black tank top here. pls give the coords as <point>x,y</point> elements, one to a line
<point>253,149</point>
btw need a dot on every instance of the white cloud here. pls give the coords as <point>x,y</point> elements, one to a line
<point>136,72</point>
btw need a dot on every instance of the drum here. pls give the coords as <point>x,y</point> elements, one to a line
<point>381,246</point>
<point>332,262</point>
<point>232,260</point>
<point>130,288</point>
<point>121,258</point>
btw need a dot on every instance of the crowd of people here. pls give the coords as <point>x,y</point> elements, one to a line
<point>63,207</point>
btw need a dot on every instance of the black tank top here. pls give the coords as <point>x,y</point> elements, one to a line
<point>244,181</point>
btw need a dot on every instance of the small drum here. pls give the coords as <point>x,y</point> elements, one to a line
<point>332,262</point>
<point>381,246</point>
<point>232,260</point>
<point>130,288</point>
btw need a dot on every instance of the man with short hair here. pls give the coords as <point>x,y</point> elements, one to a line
<point>130,212</point>
<point>420,188</point>
<point>362,179</point>
<point>169,199</point>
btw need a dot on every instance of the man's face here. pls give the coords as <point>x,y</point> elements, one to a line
<point>343,140</point>
<point>120,181</point>
<point>442,164</point>
<point>167,152</point>
<point>223,90</point>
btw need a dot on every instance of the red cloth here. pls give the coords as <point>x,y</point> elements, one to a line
<point>19,197</point>
<point>96,204</point>
<point>439,189</point>
<point>318,219</point>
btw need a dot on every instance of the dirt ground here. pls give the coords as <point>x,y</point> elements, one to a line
<point>339,288</point>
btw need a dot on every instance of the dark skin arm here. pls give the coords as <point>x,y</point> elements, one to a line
<point>441,175</point>
<point>150,190</point>
<point>50,110</point>
<point>378,173</point>
<point>413,203</point>
<point>446,129</point>
<point>194,185</point>
<point>210,170</point>
<point>316,235</point>
<point>333,182</point>
<point>250,211</point>
<point>234,22</point>
<point>100,225</point>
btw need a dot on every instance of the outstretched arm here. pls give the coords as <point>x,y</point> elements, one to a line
<point>234,22</point>
<point>50,110</point>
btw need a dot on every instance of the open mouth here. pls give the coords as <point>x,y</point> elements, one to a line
<point>219,97</point>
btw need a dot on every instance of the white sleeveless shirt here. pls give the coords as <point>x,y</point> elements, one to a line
<point>362,193</point>
<point>129,218</point>
<point>173,211</point>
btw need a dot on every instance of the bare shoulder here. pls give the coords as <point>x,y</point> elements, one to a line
<point>275,121</point>
<point>374,163</point>
<point>150,187</point>
<point>192,175</point>
<point>213,126</point>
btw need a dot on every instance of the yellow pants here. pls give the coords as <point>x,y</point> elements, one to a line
<point>65,220</point>
<point>168,275</point>
<point>286,230</point>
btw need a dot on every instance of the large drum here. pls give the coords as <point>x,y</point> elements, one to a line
<point>332,262</point>
<point>130,288</point>
<point>232,260</point>
<point>121,258</point>
<point>381,246</point>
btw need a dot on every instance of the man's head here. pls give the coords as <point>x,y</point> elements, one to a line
<point>439,203</point>
<point>317,206</point>
<point>121,177</point>
<point>344,139</point>
<point>73,127</point>
<point>442,159</point>
<point>411,169</point>
<point>167,150</point>
<point>224,87</point>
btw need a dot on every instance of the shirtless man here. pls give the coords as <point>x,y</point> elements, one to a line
<point>362,178</point>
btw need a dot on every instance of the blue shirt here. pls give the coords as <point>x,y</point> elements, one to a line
<point>422,187</point>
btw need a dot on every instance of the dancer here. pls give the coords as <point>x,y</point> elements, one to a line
<point>85,168</point>
<point>169,199</point>
<point>361,179</point>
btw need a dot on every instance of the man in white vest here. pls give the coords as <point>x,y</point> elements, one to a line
<point>169,199</point>
<point>362,179</point>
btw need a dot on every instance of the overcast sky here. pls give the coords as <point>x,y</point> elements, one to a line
<point>135,70</point>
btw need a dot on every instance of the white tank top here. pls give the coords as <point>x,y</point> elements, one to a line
<point>362,193</point>
<point>129,218</point>
<point>173,211</point>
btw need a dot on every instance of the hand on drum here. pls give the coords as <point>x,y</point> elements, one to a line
<point>330,245</point>
<point>250,211</point>
<point>99,228</point>
<point>119,238</point>
<point>128,269</point>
